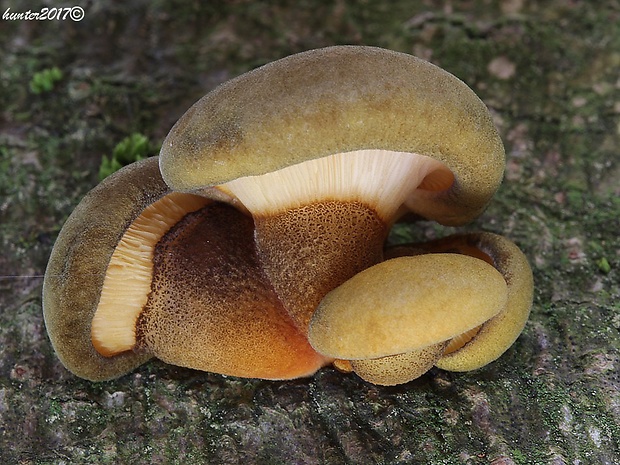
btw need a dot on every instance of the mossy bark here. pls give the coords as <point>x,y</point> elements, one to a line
<point>549,73</point>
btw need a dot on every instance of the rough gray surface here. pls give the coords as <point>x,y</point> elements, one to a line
<point>549,72</point>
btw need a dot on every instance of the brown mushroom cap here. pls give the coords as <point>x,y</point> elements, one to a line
<point>405,304</point>
<point>339,100</point>
<point>77,267</point>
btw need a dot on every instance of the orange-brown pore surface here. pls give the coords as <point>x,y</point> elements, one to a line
<point>211,307</point>
<point>127,280</point>
<point>185,285</point>
<point>310,250</point>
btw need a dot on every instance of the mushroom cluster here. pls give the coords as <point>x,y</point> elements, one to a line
<point>255,244</point>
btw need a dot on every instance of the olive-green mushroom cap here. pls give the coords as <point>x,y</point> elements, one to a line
<point>405,304</point>
<point>338,100</point>
<point>77,267</point>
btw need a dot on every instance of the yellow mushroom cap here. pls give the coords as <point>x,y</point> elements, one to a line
<point>501,331</point>
<point>494,337</point>
<point>337,100</point>
<point>405,304</point>
<point>399,368</point>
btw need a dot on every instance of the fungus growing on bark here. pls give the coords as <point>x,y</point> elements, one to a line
<point>275,188</point>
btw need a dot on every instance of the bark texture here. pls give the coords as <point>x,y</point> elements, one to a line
<point>549,72</point>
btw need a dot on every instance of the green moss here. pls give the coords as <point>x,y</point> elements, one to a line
<point>603,265</point>
<point>131,149</point>
<point>44,81</point>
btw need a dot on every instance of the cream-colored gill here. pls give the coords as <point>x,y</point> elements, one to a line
<point>129,274</point>
<point>381,179</point>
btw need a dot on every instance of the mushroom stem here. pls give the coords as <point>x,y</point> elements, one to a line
<point>399,368</point>
<point>308,251</point>
<point>211,307</point>
<point>321,222</point>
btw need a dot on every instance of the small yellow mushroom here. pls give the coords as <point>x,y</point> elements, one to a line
<point>394,320</point>
<point>488,342</point>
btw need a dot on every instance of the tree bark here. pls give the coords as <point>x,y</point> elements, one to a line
<point>549,73</point>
